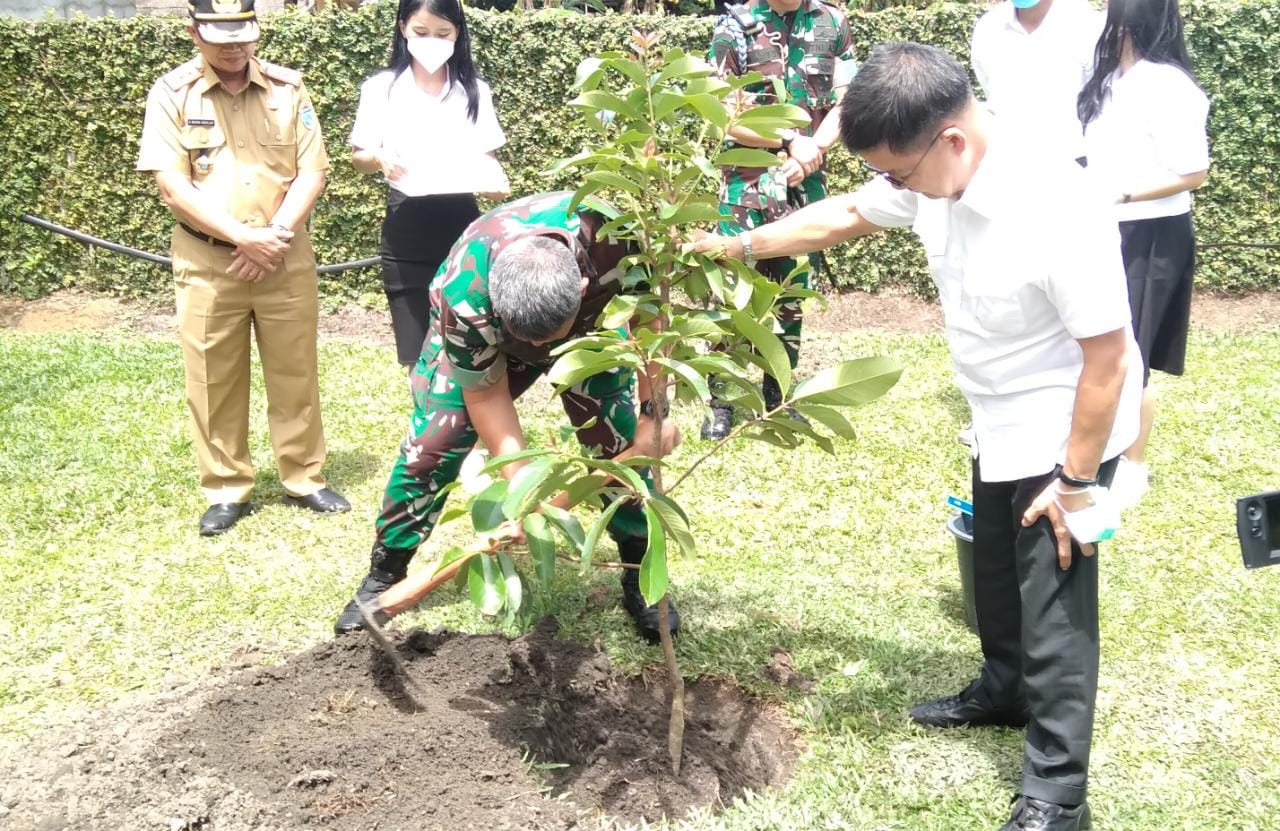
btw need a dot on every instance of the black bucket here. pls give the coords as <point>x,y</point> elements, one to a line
<point>961,527</point>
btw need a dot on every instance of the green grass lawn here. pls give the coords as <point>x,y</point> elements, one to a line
<point>108,591</point>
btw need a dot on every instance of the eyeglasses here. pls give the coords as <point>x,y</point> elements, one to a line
<point>901,183</point>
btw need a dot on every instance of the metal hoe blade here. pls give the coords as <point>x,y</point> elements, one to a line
<point>379,637</point>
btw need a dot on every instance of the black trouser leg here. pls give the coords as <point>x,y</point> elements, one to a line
<point>1050,631</point>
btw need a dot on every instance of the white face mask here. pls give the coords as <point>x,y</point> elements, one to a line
<point>431,53</point>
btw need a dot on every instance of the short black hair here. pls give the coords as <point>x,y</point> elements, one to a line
<point>900,97</point>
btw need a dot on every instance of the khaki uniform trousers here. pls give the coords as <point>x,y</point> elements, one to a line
<point>215,314</point>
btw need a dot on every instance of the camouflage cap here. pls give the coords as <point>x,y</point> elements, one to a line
<point>225,21</point>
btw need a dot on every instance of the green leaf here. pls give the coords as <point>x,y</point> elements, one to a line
<point>620,472</point>
<point>452,556</point>
<point>486,508</point>
<point>744,290</point>
<point>615,180</point>
<point>488,591</point>
<point>828,417</point>
<point>499,462</point>
<point>584,487</point>
<point>526,480</point>
<point>513,587</point>
<point>451,514</point>
<point>653,568</point>
<point>768,346</point>
<point>620,310</point>
<point>795,116</point>
<point>687,374</point>
<point>770,435</point>
<point>675,523</point>
<point>634,72</point>
<point>567,523</point>
<point>684,67</point>
<point>851,382</point>
<point>542,548</point>
<point>597,528</point>
<point>784,423</point>
<point>746,157</point>
<point>568,367</point>
<point>699,213</point>
<point>597,99</point>
<point>710,108</point>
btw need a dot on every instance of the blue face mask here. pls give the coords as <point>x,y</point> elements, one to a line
<point>1024,4</point>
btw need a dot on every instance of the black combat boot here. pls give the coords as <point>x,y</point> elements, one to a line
<point>717,425</point>
<point>644,615</point>
<point>773,398</point>
<point>387,566</point>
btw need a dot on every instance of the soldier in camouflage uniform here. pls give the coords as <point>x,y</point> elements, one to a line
<point>484,348</point>
<point>805,47</point>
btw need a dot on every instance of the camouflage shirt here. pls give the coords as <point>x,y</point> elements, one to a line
<point>465,337</point>
<point>809,50</point>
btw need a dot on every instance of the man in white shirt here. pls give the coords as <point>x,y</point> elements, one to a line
<point>1033,292</point>
<point>1032,57</point>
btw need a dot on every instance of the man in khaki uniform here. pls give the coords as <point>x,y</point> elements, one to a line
<point>236,150</point>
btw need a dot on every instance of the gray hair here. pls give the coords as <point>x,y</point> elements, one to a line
<point>535,287</point>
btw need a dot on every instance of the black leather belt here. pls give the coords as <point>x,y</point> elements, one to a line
<point>203,237</point>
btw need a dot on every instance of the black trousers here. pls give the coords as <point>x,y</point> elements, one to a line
<point>1039,630</point>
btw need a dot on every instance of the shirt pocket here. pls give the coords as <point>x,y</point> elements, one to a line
<point>998,307</point>
<point>203,145</point>
<point>278,146</point>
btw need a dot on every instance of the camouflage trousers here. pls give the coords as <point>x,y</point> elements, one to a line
<point>441,435</point>
<point>738,218</point>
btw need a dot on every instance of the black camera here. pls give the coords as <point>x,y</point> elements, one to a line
<point>1258,524</point>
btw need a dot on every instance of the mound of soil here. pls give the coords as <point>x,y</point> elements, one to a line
<point>490,733</point>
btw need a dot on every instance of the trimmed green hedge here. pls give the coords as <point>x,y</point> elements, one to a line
<point>72,94</point>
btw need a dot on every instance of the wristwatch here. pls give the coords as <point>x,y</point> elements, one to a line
<point>1075,482</point>
<point>646,408</point>
<point>788,135</point>
<point>748,256</point>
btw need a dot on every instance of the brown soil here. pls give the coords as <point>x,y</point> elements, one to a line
<point>533,733</point>
<point>888,310</point>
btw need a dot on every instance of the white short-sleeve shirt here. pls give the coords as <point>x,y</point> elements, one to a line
<point>1035,77</point>
<point>1025,263</point>
<point>1152,124</point>
<point>431,136</point>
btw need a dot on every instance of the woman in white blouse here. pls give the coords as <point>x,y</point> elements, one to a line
<point>1144,119</point>
<point>428,125</point>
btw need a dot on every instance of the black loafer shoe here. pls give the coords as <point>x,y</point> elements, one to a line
<point>219,518</point>
<point>964,710</point>
<point>646,616</point>
<point>717,425</point>
<point>1036,815</point>
<point>323,501</point>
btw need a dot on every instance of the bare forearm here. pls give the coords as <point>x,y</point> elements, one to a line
<point>750,138</point>
<point>812,228</point>
<point>1097,399</point>
<point>1174,185</point>
<point>828,132</point>
<point>299,200</point>
<point>493,414</point>
<point>366,161</point>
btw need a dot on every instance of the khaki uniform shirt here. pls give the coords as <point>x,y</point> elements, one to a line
<point>242,150</point>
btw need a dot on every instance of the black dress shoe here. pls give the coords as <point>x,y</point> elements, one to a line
<point>387,566</point>
<point>646,617</point>
<point>1036,815</point>
<point>964,710</point>
<point>219,518</point>
<point>717,425</point>
<point>323,501</point>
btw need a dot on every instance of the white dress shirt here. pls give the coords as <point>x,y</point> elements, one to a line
<point>1025,263</point>
<point>430,136</point>
<point>1032,79</point>
<point>1151,128</point>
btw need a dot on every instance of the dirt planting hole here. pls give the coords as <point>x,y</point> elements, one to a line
<point>491,733</point>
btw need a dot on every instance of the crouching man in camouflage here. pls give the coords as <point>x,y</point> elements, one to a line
<point>523,279</point>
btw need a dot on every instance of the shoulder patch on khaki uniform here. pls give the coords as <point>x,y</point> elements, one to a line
<point>183,75</point>
<point>284,74</point>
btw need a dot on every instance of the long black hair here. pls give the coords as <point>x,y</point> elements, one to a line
<point>461,70</point>
<point>1155,27</point>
